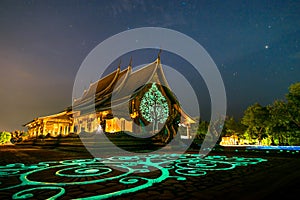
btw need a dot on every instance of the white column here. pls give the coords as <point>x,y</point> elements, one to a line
<point>188,131</point>
<point>63,129</point>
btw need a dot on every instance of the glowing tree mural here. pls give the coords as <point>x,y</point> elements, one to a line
<point>154,107</point>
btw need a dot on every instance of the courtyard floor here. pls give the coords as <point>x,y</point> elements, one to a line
<point>72,172</point>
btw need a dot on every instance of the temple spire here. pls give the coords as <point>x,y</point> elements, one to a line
<point>130,62</point>
<point>119,65</point>
<point>158,55</point>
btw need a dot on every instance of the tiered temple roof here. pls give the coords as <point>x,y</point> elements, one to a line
<point>118,88</point>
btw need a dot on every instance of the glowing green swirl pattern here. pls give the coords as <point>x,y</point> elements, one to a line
<point>58,178</point>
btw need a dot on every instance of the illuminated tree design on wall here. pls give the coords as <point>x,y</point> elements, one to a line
<point>154,107</point>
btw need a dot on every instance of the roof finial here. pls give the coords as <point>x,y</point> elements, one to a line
<point>130,62</point>
<point>119,65</point>
<point>158,55</point>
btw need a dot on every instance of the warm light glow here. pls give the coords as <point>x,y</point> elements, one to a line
<point>116,125</point>
<point>232,140</point>
<point>133,115</point>
<point>113,125</point>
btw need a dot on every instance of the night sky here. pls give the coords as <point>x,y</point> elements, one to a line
<point>255,45</point>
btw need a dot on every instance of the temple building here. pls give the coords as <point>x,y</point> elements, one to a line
<point>54,125</point>
<point>127,100</point>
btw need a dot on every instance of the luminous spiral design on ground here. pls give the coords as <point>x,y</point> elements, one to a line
<point>58,178</point>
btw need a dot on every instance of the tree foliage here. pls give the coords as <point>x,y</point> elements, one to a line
<point>293,103</point>
<point>256,119</point>
<point>233,127</point>
<point>4,137</point>
<point>202,130</point>
<point>278,123</point>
